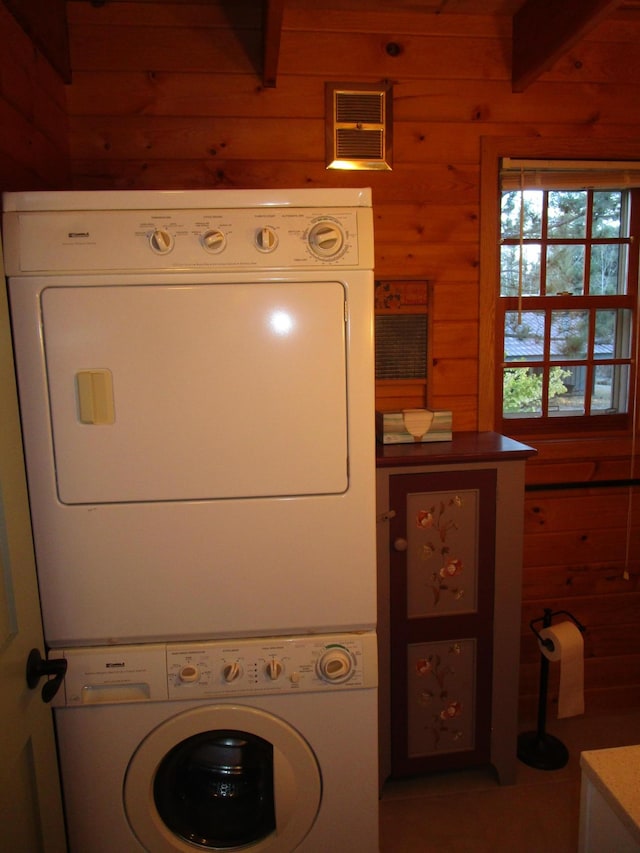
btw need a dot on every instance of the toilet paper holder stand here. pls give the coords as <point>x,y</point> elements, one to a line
<point>540,749</point>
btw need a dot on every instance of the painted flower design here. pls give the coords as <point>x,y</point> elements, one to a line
<point>424,666</point>
<point>425,519</point>
<point>452,710</point>
<point>434,696</point>
<point>441,580</point>
<point>437,518</point>
<point>451,569</point>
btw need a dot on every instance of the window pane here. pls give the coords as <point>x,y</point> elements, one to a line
<point>567,214</point>
<point>565,270</point>
<point>566,390</point>
<point>607,207</point>
<point>609,393</point>
<point>524,336</point>
<point>522,392</point>
<point>510,219</point>
<point>613,334</point>
<point>510,270</point>
<point>607,262</point>
<point>569,334</point>
<point>570,354</point>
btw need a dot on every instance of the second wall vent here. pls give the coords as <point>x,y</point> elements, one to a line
<point>359,126</point>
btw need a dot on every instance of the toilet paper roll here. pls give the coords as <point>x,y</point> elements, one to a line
<point>568,649</point>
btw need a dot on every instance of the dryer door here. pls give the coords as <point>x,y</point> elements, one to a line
<point>196,392</point>
<point>222,777</point>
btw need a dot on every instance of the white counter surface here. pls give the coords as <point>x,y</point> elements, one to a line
<point>615,773</point>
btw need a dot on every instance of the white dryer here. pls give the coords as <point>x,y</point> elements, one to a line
<point>197,400</point>
<point>260,746</point>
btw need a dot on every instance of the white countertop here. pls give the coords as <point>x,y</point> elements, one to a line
<point>616,775</point>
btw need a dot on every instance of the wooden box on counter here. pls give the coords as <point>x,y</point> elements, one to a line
<point>411,426</point>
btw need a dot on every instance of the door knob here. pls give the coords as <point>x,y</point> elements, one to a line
<point>400,544</point>
<point>38,667</point>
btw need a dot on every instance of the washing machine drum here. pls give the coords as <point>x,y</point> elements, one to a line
<point>221,778</point>
<point>216,789</point>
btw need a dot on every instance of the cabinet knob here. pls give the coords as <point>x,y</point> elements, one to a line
<point>400,544</point>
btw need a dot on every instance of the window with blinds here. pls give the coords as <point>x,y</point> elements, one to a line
<point>567,293</point>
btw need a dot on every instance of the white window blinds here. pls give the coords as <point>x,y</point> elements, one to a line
<point>568,174</point>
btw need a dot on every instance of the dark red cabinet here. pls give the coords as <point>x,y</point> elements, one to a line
<point>442,560</point>
<point>450,526</point>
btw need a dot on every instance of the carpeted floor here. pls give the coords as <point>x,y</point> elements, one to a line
<point>469,812</point>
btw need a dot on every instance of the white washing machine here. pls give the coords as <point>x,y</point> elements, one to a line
<point>260,745</point>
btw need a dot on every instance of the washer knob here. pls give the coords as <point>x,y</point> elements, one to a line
<point>231,672</point>
<point>274,669</point>
<point>161,241</point>
<point>189,673</point>
<point>335,665</point>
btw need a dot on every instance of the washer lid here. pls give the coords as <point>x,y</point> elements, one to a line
<point>297,785</point>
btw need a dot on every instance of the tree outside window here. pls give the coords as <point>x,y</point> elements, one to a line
<point>568,278</point>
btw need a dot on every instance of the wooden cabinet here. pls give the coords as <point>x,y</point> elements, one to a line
<point>450,519</point>
<point>441,559</point>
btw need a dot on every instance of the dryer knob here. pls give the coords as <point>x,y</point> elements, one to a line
<point>326,239</point>
<point>266,239</point>
<point>161,241</point>
<point>214,241</point>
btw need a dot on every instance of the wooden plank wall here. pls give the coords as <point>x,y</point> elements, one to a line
<point>580,557</point>
<point>33,115</point>
<point>170,96</point>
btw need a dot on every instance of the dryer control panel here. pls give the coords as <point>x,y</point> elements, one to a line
<point>199,230</point>
<point>178,240</point>
<point>218,668</point>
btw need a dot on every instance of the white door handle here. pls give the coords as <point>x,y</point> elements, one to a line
<point>95,396</point>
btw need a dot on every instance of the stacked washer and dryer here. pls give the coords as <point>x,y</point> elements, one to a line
<point>195,373</point>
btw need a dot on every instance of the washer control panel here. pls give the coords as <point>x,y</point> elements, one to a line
<point>267,666</point>
<point>218,668</point>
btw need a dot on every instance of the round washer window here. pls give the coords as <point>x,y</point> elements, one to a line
<point>216,789</point>
<point>235,761</point>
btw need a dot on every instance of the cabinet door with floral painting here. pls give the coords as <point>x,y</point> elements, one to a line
<point>442,569</point>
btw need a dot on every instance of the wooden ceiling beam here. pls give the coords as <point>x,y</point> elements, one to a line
<point>544,30</point>
<point>272,13</point>
<point>45,22</point>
